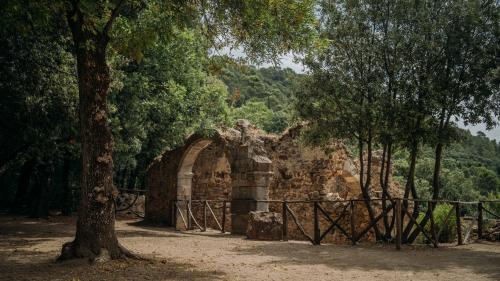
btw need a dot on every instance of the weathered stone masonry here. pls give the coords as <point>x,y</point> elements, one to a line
<point>244,163</point>
<point>171,175</point>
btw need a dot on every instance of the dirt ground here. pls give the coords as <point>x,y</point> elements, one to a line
<point>28,249</point>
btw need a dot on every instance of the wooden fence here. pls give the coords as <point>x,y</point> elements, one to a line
<point>128,207</point>
<point>400,209</point>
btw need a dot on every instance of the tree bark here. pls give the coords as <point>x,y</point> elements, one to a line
<point>443,126</point>
<point>384,184</point>
<point>366,185</point>
<point>435,190</point>
<point>95,230</point>
<point>437,171</point>
<point>410,189</point>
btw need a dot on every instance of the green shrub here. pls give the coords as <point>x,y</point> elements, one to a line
<point>445,229</point>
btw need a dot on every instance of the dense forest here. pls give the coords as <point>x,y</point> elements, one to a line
<point>92,91</point>
<point>264,96</point>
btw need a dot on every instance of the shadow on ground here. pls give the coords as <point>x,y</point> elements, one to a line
<point>33,265</point>
<point>482,259</point>
<point>22,227</point>
<point>27,252</point>
<point>28,249</point>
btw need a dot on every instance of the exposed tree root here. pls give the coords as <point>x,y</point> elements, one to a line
<point>128,254</point>
<point>70,251</point>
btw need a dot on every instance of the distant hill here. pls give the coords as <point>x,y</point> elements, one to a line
<point>262,95</point>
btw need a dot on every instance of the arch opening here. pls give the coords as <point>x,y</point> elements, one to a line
<point>185,172</point>
<point>249,180</point>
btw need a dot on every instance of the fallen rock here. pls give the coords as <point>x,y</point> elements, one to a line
<point>493,233</point>
<point>264,226</point>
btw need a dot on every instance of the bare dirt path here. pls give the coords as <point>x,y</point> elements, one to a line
<point>28,249</point>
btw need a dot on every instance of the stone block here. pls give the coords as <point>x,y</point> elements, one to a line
<point>264,226</point>
<point>261,193</point>
<point>251,179</point>
<point>260,163</point>
<point>239,223</point>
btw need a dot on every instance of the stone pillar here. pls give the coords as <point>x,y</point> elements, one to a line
<point>184,181</point>
<point>250,180</point>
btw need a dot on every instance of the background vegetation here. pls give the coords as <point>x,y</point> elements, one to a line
<point>471,166</point>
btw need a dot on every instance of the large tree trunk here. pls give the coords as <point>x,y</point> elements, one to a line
<point>23,186</point>
<point>95,230</point>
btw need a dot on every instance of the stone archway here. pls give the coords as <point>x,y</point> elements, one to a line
<point>170,176</point>
<point>185,171</point>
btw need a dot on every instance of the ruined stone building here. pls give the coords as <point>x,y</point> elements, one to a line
<point>242,165</point>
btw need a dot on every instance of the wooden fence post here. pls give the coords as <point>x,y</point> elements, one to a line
<point>430,205</point>
<point>317,234</point>
<point>480,220</point>
<point>205,215</point>
<point>188,215</point>
<point>353,222</point>
<point>174,214</point>
<point>285,222</point>
<point>224,216</point>
<point>399,224</point>
<point>459,224</point>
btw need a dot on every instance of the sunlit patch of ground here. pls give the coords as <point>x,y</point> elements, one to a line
<point>28,249</point>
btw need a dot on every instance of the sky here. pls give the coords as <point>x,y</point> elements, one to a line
<point>288,61</point>
<point>493,134</point>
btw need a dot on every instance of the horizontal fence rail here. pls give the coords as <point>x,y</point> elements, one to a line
<point>402,212</point>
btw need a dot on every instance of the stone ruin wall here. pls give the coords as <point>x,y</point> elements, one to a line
<point>300,173</point>
<point>162,189</point>
<point>330,173</point>
<point>212,181</point>
<point>173,176</point>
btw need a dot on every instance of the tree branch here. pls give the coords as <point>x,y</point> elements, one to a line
<point>114,15</point>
